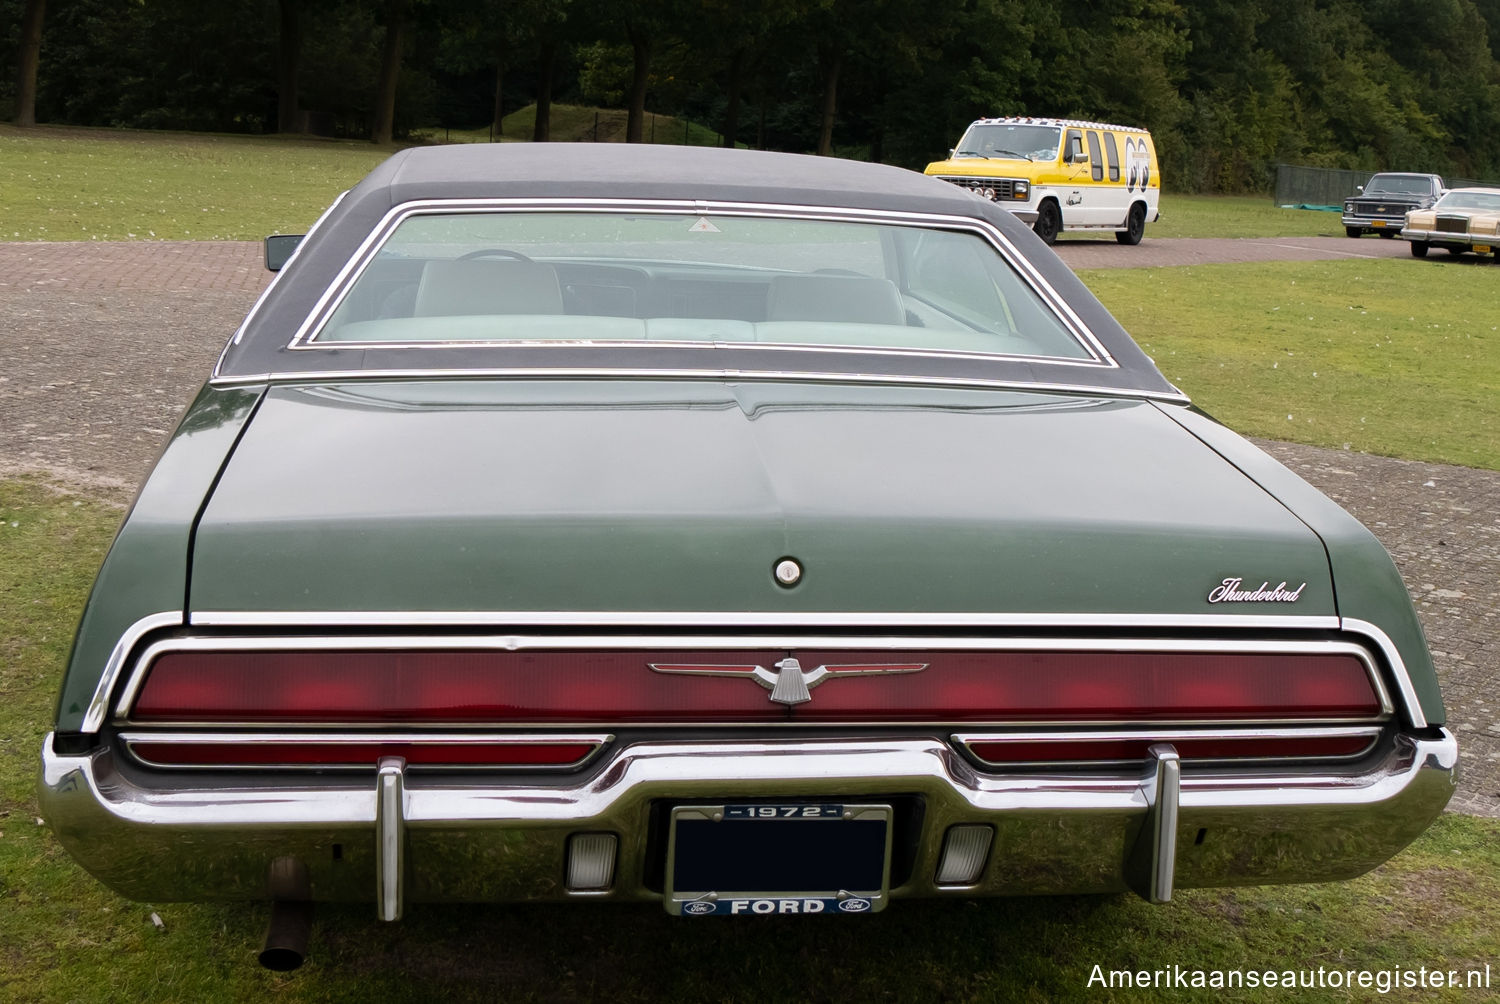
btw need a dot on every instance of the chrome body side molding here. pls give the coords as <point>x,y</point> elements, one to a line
<point>99,705</point>
<point>98,709</point>
<point>691,642</point>
<point>333,295</point>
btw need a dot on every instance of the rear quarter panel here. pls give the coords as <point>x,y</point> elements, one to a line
<point>1367,585</point>
<point>145,572</point>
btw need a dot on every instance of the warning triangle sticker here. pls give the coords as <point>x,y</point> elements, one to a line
<point>703,227</point>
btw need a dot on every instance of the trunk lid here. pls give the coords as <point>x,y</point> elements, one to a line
<point>624,496</point>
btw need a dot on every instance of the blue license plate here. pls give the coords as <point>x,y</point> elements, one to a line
<point>788,858</point>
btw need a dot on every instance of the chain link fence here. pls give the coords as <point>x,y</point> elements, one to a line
<point>1327,188</point>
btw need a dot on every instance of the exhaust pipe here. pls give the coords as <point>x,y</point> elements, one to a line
<point>291,916</point>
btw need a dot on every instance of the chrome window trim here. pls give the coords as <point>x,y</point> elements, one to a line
<point>597,740</point>
<point>638,343</point>
<point>734,375</point>
<point>1170,735</point>
<point>239,332</point>
<point>305,338</point>
<point>98,709</point>
<point>743,618</point>
<point>517,642</point>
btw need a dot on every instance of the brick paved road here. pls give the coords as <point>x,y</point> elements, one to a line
<point>102,345</point>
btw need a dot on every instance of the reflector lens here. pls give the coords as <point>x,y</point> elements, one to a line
<point>591,861</point>
<point>468,686</point>
<point>358,754</point>
<point>1080,750</point>
<point>965,851</point>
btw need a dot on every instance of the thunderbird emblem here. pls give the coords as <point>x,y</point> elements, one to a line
<point>789,683</point>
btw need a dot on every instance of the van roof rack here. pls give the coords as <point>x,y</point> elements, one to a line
<point>1043,120</point>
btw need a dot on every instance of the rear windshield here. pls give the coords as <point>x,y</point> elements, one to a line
<point>618,277</point>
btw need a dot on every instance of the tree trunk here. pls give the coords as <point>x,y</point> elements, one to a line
<point>290,60</point>
<point>390,70</point>
<point>831,62</point>
<point>27,58</point>
<point>546,60</point>
<point>732,111</point>
<point>499,118</point>
<point>642,47</point>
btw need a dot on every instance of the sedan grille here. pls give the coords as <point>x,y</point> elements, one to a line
<point>989,188</point>
<point>1453,224</point>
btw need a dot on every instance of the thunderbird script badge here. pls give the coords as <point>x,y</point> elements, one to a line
<point>1230,591</point>
<point>789,683</point>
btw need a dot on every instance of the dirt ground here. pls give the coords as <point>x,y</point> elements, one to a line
<point>102,346</point>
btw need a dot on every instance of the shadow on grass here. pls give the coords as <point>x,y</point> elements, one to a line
<point>913,951</point>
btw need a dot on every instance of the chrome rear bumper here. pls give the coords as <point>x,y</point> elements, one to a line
<point>492,841</point>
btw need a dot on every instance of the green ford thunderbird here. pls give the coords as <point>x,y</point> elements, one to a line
<point>737,532</point>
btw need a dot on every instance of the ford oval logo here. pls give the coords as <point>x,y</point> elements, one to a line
<point>698,907</point>
<point>854,905</point>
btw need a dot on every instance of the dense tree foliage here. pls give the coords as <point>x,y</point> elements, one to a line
<point>1229,87</point>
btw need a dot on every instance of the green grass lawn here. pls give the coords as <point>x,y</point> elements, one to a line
<point>111,184</point>
<point>1238,216</point>
<point>580,124</point>
<point>1388,356</point>
<point>64,937</point>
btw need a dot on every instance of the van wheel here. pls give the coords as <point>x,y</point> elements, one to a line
<point>1135,226</point>
<point>1354,231</point>
<point>1048,221</point>
<point>1419,249</point>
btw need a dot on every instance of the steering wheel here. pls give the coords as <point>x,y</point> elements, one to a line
<point>493,253</point>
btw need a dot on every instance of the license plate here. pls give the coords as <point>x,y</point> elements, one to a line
<point>1482,248</point>
<point>794,857</point>
<point>1378,223</point>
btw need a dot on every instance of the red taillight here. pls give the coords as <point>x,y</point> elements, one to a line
<point>589,687</point>
<point>317,752</point>
<point>1005,751</point>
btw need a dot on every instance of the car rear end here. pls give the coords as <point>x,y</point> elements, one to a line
<point>761,698</point>
<point>558,764</point>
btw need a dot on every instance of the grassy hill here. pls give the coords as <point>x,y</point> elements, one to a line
<point>581,124</point>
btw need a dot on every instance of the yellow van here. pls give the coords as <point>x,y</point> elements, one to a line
<point>1063,174</point>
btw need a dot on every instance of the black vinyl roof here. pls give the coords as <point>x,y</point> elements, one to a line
<point>607,170</point>
<point>603,172</point>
